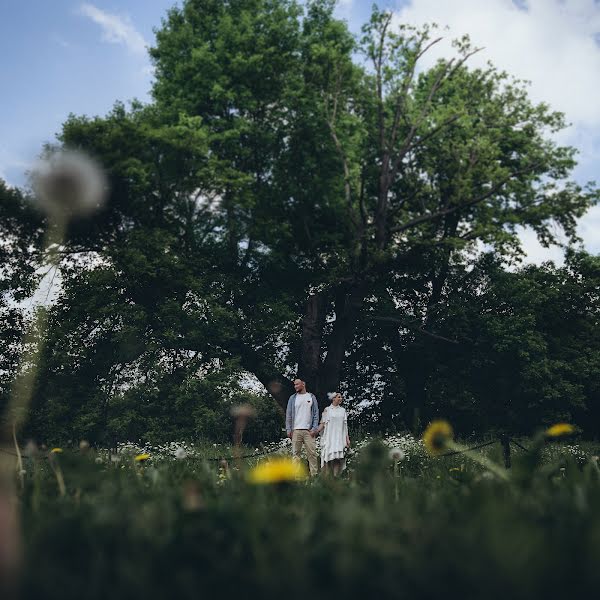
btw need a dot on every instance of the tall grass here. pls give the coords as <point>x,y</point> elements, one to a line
<point>168,528</point>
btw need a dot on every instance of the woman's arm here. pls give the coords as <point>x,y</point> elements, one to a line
<point>322,423</point>
<point>347,436</point>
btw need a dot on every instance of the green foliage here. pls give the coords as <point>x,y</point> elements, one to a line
<point>288,191</point>
<point>508,350</point>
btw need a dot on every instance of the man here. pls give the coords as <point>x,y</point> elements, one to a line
<point>302,422</point>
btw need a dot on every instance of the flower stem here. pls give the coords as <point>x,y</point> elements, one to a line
<point>33,344</point>
<point>483,460</point>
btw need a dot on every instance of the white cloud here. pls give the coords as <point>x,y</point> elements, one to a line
<point>554,44</point>
<point>589,230</point>
<point>536,253</point>
<point>551,43</point>
<point>115,29</point>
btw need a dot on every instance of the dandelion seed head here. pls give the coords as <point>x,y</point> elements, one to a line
<point>31,448</point>
<point>69,184</point>
<point>243,411</point>
<point>397,454</point>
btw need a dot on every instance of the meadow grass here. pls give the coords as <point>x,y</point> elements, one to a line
<point>186,527</point>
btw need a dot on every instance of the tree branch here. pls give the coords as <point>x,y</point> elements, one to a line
<point>406,84</point>
<point>447,211</point>
<point>417,329</point>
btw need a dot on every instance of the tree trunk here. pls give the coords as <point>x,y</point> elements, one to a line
<point>313,323</point>
<point>347,308</point>
<point>505,442</point>
<point>416,394</point>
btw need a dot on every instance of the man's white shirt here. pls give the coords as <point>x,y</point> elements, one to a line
<point>303,411</point>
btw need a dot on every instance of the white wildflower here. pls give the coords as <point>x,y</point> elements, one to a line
<point>397,454</point>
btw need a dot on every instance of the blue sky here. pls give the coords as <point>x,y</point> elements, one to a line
<point>63,61</point>
<point>62,56</point>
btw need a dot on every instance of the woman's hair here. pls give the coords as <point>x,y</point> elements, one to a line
<point>332,395</point>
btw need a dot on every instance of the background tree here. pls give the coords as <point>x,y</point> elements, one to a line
<point>20,228</point>
<point>511,350</point>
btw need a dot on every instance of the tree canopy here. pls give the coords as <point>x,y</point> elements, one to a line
<point>297,200</point>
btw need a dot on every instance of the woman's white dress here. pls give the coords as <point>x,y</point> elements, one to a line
<point>333,438</point>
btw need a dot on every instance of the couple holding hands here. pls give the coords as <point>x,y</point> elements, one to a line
<point>302,426</point>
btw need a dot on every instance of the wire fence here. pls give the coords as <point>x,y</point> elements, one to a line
<point>234,457</point>
<point>45,456</point>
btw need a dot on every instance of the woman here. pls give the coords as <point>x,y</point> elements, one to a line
<point>334,439</point>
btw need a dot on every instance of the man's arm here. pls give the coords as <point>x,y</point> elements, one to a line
<point>315,415</point>
<point>288,416</point>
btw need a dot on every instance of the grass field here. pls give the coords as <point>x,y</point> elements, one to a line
<point>177,525</point>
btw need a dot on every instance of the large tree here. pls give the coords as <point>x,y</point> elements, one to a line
<point>362,167</point>
<point>289,184</point>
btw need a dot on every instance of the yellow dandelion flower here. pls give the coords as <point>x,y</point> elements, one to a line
<point>436,436</point>
<point>142,457</point>
<point>278,470</point>
<point>56,451</point>
<point>560,430</point>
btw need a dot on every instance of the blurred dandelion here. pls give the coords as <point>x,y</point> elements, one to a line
<point>192,498</point>
<point>278,470</point>
<point>242,413</point>
<point>31,449</point>
<point>180,453</point>
<point>559,430</point>
<point>141,457</point>
<point>69,184</point>
<point>397,454</point>
<point>55,466</point>
<point>437,436</point>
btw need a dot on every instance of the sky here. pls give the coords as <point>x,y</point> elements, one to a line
<point>66,56</point>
